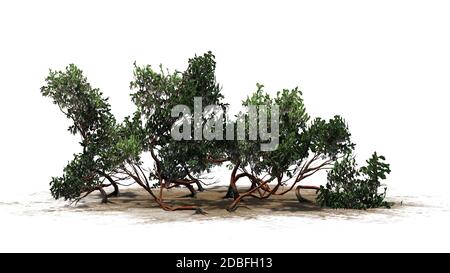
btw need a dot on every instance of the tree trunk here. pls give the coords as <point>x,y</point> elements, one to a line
<point>115,193</point>
<point>252,186</point>
<point>199,186</point>
<point>232,189</point>
<point>187,184</point>
<point>192,190</point>
<point>104,195</point>
<point>230,193</point>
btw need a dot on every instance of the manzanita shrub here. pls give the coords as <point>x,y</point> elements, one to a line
<point>92,119</point>
<point>273,164</point>
<point>351,187</point>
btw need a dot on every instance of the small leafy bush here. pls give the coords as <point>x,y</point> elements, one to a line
<point>357,188</point>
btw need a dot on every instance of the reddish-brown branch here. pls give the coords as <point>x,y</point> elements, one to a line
<point>90,190</point>
<point>115,193</point>
<point>159,201</point>
<point>299,196</point>
<point>306,172</point>
<point>198,182</point>
<point>233,205</point>
<point>187,184</point>
<point>216,161</point>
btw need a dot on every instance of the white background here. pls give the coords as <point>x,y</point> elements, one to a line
<point>383,65</point>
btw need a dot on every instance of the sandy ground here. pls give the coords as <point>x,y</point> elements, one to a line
<point>133,223</point>
<point>137,201</point>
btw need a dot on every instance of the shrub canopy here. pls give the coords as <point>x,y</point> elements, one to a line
<point>302,146</point>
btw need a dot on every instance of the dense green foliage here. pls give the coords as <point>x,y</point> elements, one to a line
<point>91,117</point>
<point>352,187</point>
<point>156,94</point>
<point>282,152</point>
